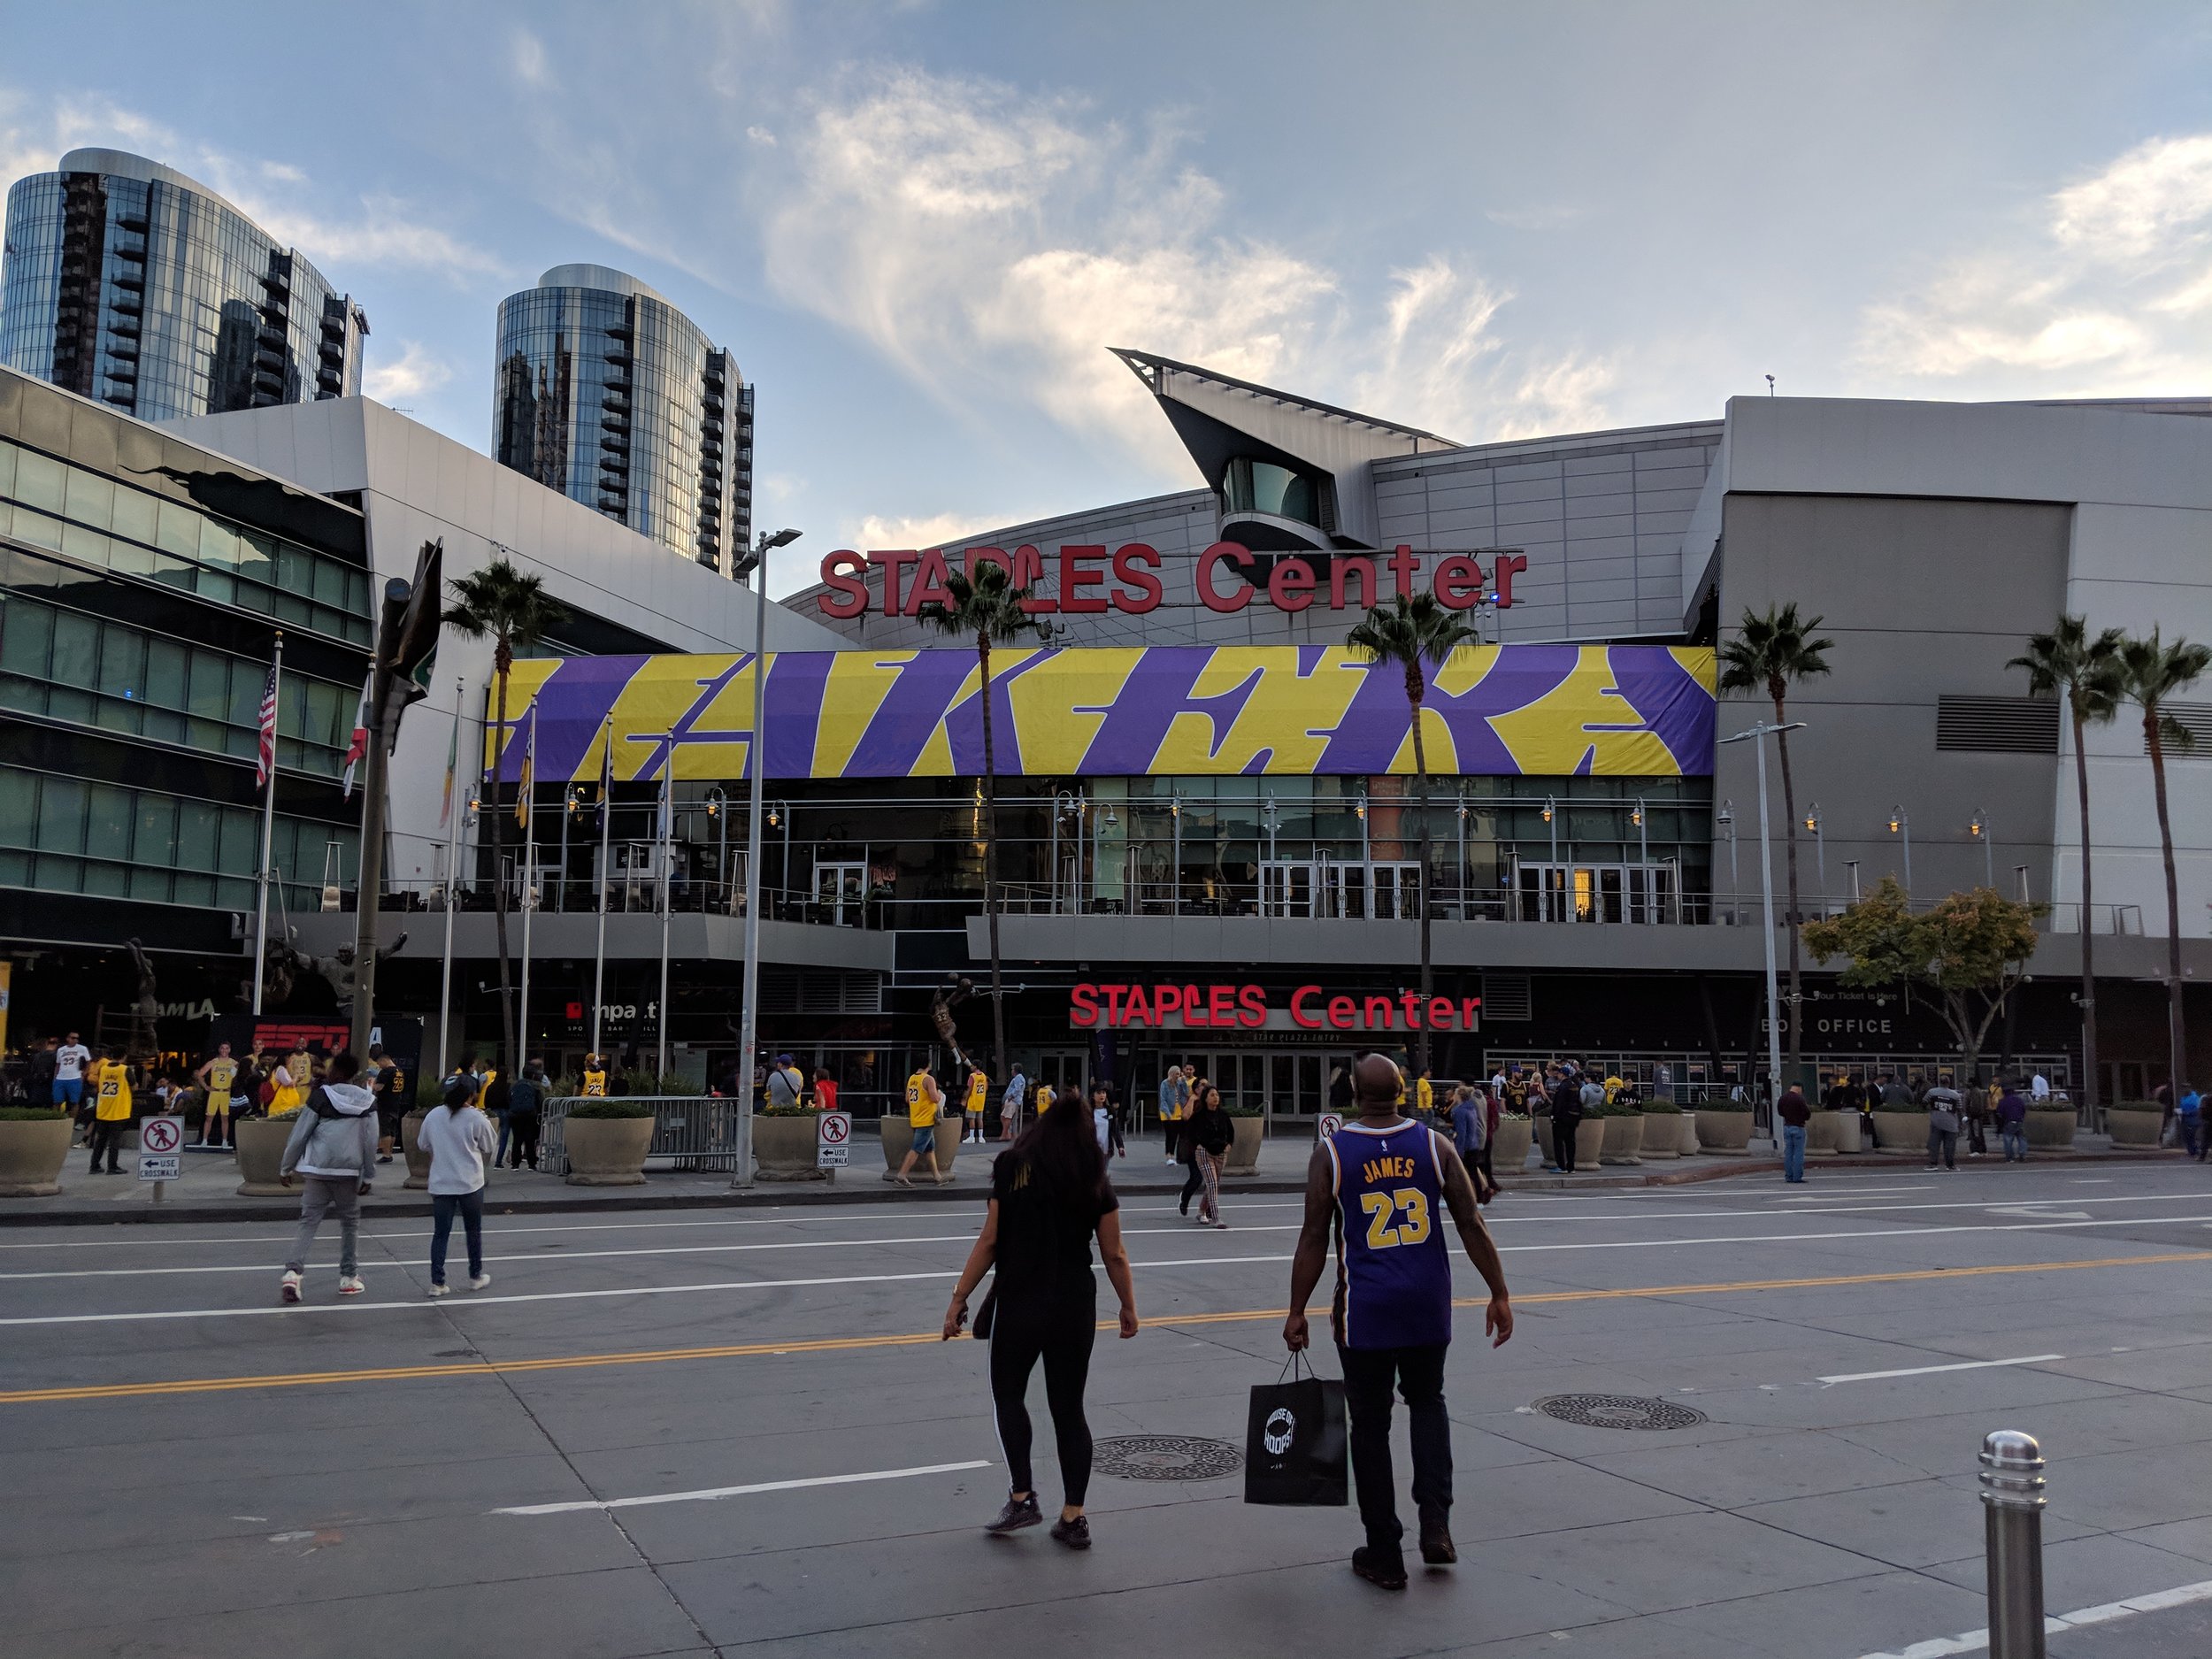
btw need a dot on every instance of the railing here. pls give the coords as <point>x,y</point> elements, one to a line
<point>693,1132</point>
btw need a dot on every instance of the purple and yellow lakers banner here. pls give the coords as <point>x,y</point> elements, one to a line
<point>1549,710</point>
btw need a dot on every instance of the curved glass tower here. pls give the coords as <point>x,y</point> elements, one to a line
<point>126,281</point>
<point>611,396</point>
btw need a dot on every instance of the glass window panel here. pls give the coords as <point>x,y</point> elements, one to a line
<point>199,825</point>
<point>41,482</point>
<point>219,586</point>
<point>76,649</point>
<point>178,531</point>
<point>7,469</point>
<point>166,674</point>
<point>211,684</point>
<point>19,692</point>
<point>15,870</point>
<point>256,557</point>
<point>137,515</point>
<point>29,638</point>
<point>295,572</point>
<point>38,530</point>
<point>116,714</point>
<point>219,544</point>
<point>65,704</point>
<point>91,498</point>
<point>149,881</point>
<point>108,822</point>
<point>61,874</point>
<point>162,726</point>
<point>195,890</point>
<point>60,815</point>
<point>245,695</point>
<point>240,832</point>
<point>330,583</point>
<point>157,842</point>
<point>91,546</point>
<point>19,808</point>
<point>122,661</point>
<point>110,880</point>
<point>229,895</point>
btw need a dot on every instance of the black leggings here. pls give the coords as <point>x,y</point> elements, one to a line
<point>1193,1182</point>
<point>1059,1330</point>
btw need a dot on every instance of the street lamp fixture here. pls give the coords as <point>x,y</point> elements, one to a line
<point>1820,848</point>
<point>1901,826</point>
<point>1978,830</point>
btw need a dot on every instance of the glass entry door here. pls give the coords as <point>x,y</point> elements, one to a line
<point>1289,888</point>
<point>1576,892</point>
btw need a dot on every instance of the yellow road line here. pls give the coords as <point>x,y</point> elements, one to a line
<point>845,1344</point>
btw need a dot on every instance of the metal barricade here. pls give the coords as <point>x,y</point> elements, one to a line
<point>690,1132</point>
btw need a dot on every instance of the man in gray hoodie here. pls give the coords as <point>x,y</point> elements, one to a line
<point>333,1147</point>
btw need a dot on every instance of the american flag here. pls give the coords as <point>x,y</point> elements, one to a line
<point>264,759</point>
<point>358,745</point>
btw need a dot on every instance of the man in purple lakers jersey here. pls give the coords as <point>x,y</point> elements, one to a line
<point>1379,1184</point>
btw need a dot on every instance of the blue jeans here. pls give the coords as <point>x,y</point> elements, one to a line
<point>500,1156</point>
<point>1793,1152</point>
<point>443,1207</point>
<point>2015,1138</point>
<point>2192,1136</point>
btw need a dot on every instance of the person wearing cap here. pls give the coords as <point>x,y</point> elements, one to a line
<point>594,1077</point>
<point>786,1084</point>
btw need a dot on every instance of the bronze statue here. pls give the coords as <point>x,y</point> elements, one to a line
<point>342,973</point>
<point>948,997</point>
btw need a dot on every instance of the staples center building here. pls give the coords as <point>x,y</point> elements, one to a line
<point>1209,831</point>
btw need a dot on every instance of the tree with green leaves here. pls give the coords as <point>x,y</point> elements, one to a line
<point>2151,673</point>
<point>511,608</point>
<point>1768,654</point>
<point>987,608</point>
<point>1969,951</point>
<point>2087,672</point>
<point>1415,634</point>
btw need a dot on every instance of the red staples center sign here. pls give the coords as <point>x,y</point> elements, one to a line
<point>1089,579</point>
<point>1246,1007</point>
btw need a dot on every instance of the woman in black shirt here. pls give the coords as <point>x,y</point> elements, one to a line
<point>1048,1195</point>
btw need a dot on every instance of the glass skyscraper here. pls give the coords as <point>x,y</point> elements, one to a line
<point>126,281</point>
<point>611,396</point>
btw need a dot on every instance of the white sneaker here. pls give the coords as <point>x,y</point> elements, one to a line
<point>437,1291</point>
<point>351,1286</point>
<point>482,1281</point>
<point>289,1286</point>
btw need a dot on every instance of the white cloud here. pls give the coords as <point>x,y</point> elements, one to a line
<point>917,530</point>
<point>415,372</point>
<point>2095,295</point>
<point>988,240</point>
<point>761,135</point>
<point>383,231</point>
<point>531,66</point>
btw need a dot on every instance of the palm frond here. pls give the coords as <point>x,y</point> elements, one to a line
<point>1773,651</point>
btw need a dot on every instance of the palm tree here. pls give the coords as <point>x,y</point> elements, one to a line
<point>1414,632</point>
<point>514,610</point>
<point>1769,654</point>
<point>986,607</point>
<point>2088,672</point>
<point>2152,672</point>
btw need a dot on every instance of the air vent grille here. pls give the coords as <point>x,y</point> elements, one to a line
<point>1506,996</point>
<point>1998,726</point>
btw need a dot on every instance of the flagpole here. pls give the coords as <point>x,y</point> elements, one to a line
<point>454,810</point>
<point>268,836</point>
<point>606,827</point>
<point>529,881</point>
<point>667,826</point>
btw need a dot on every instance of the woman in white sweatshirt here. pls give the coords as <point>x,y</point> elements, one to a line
<point>459,1138</point>
<point>333,1147</point>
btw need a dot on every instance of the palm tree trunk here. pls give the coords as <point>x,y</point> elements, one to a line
<point>2090,1076</point>
<point>1795,1011</point>
<point>1421,793</point>
<point>501,663</point>
<point>2174,1033</point>
<point>990,865</point>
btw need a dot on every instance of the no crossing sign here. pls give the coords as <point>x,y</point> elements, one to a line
<point>834,1140</point>
<point>160,1148</point>
<point>1331,1122</point>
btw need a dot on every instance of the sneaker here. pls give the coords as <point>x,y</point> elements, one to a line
<point>384,1157</point>
<point>351,1284</point>
<point>1436,1548</point>
<point>1386,1571</point>
<point>440,1289</point>
<point>1019,1513</point>
<point>289,1286</point>
<point>480,1282</point>
<point>1221,1226</point>
<point>1075,1534</point>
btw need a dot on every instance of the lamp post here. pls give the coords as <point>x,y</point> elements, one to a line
<point>668,893</point>
<point>1553,875</point>
<point>1101,822</point>
<point>779,817</point>
<point>1756,736</point>
<point>1901,826</point>
<point>1979,828</point>
<point>1852,865</point>
<point>1725,819</point>
<point>572,803</point>
<point>1069,803</point>
<point>606,835</point>
<point>1820,851</point>
<point>452,869</point>
<point>1462,815</point>
<point>748,1030</point>
<point>1175,857</point>
<point>718,804</point>
<point>1643,856</point>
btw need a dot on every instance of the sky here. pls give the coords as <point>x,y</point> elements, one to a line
<point>919,226</point>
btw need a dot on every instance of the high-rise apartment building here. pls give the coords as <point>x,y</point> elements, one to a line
<point>611,396</point>
<point>127,283</point>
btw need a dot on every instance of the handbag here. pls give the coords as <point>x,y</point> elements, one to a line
<point>1295,1450</point>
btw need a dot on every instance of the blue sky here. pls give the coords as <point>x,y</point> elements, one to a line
<point>919,225</point>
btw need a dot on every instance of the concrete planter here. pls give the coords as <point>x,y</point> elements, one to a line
<point>260,1142</point>
<point>606,1151</point>
<point>1590,1142</point>
<point>1542,1126</point>
<point>1900,1132</point>
<point>1662,1136</point>
<point>1624,1140</point>
<point>783,1148</point>
<point>1508,1155</point>
<point>31,1156</point>
<point>1849,1130</point>
<point>898,1140</point>
<point>1244,1149</point>
<point>1685,1134</point>
<point>417,1155</point>
<point>2131,1128</point>
<point>2054,1132</point>
<point>1726,1133</point>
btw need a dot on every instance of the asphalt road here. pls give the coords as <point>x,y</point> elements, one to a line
<point>194,1469</point>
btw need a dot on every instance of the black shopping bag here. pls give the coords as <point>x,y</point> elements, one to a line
<point>1294,1441</point>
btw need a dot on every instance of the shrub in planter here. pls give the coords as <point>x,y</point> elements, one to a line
<point>1624,1141</point>
<point>1662,1129</point>
<point>784,1142</point>
<point>1724,1126</point>
<point>1509,1154</point>
<point>605,1143</point>
<point>2051,1124</point>
<point>1902,1127</point>
<point>34,1145</point>
<point>2135,1123</point>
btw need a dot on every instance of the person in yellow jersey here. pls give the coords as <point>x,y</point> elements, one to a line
<point>1425,1094</point>
<point>979,1091</point>
<point>291,1079</point>
<point>219,1076</point>
<point>924,1101</point>
<point>594,1077</point>
<point>111,1113</point>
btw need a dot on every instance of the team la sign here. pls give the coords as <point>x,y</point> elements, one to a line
<point>1245,1007</point>
<point>1088,578</point>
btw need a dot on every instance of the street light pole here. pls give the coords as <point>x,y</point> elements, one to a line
<point>668,896</point>
<point>1820,851</point>
<point>1757,735</point>
<point>606,833</point>
<point>756,757</point>
<point>1979,830</point>
<point>1899,824</point>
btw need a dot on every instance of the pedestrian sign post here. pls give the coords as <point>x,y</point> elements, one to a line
<point>1331,1122</point>
<point>834,1140</point>
<point>160,1151</point>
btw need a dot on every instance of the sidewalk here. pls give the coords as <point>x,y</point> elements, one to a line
<point>208,1189</point>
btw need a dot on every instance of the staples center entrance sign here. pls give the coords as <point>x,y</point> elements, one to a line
<point>1246,1007</point>
<point>1089,579</point>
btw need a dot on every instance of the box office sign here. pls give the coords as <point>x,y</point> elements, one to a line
<point>1191,1007</point>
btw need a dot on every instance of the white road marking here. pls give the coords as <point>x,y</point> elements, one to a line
<point>707,1494</point>
<point>1929,1370</point>
<point>2056,1624</point>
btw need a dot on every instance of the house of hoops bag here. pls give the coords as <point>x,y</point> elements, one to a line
<point>1295,1449</point>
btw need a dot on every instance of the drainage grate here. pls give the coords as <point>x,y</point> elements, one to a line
<point>1619,1411</point>
<point>1165,1457</point>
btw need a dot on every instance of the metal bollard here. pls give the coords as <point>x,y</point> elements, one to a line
<point>2012,1512</point>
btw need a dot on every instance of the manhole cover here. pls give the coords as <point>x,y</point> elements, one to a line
<point>1165,1457</point>
<point>1619,1411</point>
